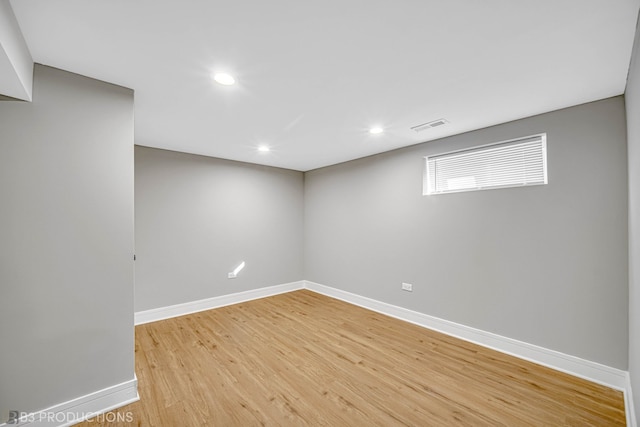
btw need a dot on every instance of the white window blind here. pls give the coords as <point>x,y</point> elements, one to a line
<point>514,163</point>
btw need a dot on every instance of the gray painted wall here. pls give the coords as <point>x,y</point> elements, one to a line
<point>632,98</point>
<point>198,217</point>
<point>66,241</point>
<point>546,265</point>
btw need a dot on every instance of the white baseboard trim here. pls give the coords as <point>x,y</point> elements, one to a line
<point>592,371</point>
<point>81,408</point>
<point>162,313</point>
<point>628,403</point>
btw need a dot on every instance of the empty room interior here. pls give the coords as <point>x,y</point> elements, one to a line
<point>333,213</point>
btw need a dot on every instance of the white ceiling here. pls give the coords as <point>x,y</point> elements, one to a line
<point>313,76</point>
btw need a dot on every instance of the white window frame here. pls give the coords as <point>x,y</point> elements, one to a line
<point>430,187</point>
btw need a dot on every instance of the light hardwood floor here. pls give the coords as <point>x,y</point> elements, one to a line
<point>303,359</point>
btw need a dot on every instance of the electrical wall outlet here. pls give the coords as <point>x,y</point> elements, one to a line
<point>407,287</point>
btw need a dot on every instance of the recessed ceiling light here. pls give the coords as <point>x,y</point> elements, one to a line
<point>376,130</point>
<point>224,79</point>
<point>264,149</point>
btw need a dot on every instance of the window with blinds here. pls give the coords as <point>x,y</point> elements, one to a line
<point>513,163</point>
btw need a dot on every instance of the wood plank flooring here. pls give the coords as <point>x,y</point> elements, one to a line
<point>303,359</point>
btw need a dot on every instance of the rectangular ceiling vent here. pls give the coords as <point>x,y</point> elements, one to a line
<point>429,125</point>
